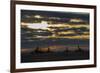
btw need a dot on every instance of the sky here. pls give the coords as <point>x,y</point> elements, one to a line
<point>49,24</point>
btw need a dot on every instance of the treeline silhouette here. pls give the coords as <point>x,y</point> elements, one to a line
<point>38,50</point>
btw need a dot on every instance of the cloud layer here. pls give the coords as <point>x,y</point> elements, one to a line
<point>47,24</point>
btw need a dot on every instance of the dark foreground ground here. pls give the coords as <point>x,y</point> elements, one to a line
<point>54,56</point>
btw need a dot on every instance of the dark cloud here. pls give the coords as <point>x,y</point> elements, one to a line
<point>64,16</point>
<point>68,34</point>
<point>78,29</point>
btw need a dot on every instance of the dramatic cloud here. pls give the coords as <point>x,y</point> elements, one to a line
<point>49,24</point>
